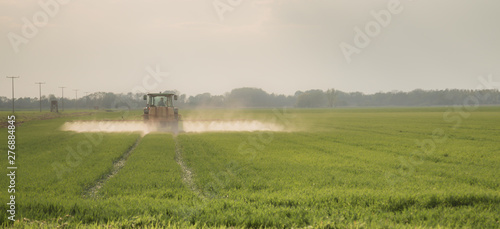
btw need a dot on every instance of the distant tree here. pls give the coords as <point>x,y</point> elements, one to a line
<point>4,102</point>
<point>217,101</point>
<point>331,95</point>
<point>298,93</point>
<point>248,97</point>
<point>312,98</point>
<point>200,100</point>
<point>256,97</point>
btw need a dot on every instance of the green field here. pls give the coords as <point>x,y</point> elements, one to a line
<point>331,168</point>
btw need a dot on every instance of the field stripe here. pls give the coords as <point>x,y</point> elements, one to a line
<point>187,173</point>
<point>117,165</point>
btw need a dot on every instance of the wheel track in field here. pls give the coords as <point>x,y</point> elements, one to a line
<point>117,165</point>
<point>187,174</point>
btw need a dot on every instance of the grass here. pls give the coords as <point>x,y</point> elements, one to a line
<point>342,168</point>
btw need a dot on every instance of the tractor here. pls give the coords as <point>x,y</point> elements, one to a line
<point>160,110</point>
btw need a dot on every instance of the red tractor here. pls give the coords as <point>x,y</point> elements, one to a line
<point>160,108</point>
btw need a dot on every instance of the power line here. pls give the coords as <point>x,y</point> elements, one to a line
<point>40,91</point>
<point>13,77</point>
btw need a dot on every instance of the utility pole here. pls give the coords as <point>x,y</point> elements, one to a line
<point>40,90</point>
<point>62,97</point>
<point>76,98</point>
<point>87,99</point>
<point>13,77</point>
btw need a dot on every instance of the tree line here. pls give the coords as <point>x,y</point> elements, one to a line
<point>258,98</point>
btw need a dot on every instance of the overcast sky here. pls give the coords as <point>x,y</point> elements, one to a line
<point>280,46</point>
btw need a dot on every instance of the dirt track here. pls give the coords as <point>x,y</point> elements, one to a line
<point>92,192</point>
<point>187,174</point>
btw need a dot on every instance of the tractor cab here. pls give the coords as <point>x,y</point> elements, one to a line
<point>160,100</point>
<point>160,107</point>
